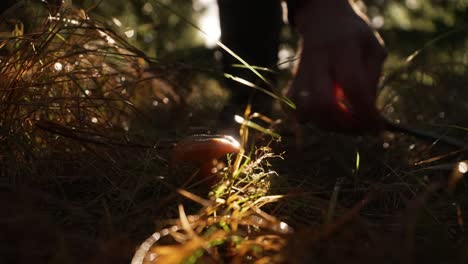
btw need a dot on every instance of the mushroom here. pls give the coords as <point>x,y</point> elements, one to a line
<point>202,151</point>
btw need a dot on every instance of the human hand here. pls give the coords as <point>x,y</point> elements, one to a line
<point>336,83</point>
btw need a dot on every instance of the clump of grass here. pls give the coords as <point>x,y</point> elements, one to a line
<point>231,226</point>
<point>71,88</point>
<point>69,77</point>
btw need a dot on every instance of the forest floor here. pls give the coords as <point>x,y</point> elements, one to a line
<point>96,207</point>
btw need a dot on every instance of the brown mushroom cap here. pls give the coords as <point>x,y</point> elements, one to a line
<point>204,148</point>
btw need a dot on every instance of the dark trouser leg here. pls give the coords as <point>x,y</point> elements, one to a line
<point>251,28</point>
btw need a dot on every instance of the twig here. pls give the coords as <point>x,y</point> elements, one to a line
<point>424,134</point>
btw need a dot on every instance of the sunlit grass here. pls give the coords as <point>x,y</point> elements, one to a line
<point>72,72</point>
<point>231,223</point>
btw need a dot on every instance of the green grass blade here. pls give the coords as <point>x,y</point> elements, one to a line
<point>270,93</point>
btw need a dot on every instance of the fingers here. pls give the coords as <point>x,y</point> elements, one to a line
<point>357,75</point>
<point>309,89</point>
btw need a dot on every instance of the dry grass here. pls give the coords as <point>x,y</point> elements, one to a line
<point>71,167</point>
<point>69,77</point>
<point>230,226</point>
